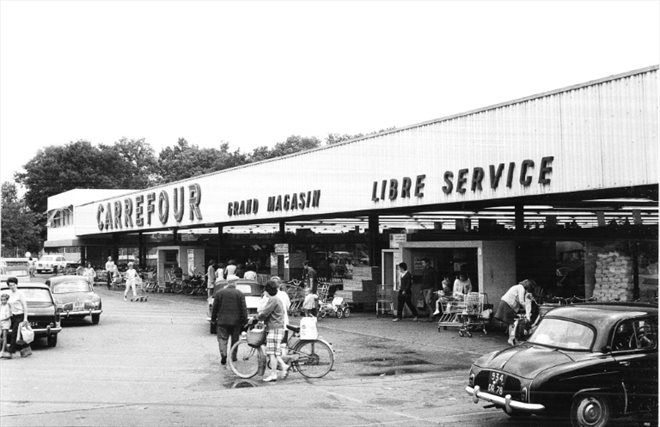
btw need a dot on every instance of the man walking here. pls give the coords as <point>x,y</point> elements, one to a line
<point>229,313</point>
<point>405,293</point>
<point>110,269</point>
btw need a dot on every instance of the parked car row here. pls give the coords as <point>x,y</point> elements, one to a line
<point>61,297</point>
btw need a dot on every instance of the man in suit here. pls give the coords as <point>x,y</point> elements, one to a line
<point>405,293</point>
<point>229,313</point>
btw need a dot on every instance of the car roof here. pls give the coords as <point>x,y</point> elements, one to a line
<point>5,286</point>
<point>604,313</point>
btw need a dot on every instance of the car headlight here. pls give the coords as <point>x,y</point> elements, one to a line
<point>471,378</point>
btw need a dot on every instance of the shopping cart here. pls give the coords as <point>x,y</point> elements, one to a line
<point>384,302</point>
<point>466,314</point>
<point>296,294</point>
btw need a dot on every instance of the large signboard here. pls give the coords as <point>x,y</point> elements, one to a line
<point>562,142</point>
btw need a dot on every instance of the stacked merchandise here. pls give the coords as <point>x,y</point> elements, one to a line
<point>614,277</point>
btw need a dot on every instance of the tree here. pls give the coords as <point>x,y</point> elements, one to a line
<point>56,169</point>
<point>295,144</point>
<point>21,230</point>
<point>334,138</point>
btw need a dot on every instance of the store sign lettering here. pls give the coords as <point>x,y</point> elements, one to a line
<point>474,181</point>
<point>391,189</point>
<point>279,203</point>
<point>146,209</point>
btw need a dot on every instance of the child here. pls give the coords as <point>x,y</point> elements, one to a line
<point>5,323</point>
<point>309,304</point>
<point>442,296</point>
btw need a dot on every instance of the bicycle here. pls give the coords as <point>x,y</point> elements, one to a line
<point>312,358</point>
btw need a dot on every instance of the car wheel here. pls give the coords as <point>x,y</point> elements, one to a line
<point>96,318</point>
<point>52,340</point>
<point>590,410</point>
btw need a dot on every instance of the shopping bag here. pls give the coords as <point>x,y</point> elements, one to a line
<point>25,333</point>
<point>256,336</point>
<point>308,328</point>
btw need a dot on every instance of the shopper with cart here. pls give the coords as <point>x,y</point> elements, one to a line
<point>405,294</point>
<point>517,297</point>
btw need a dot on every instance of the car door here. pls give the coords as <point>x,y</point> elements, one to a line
<point>635,350</point>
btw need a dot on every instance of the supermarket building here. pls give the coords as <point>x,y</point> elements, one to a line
<point>561,187</point>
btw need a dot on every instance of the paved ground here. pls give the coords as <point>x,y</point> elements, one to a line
<point>155,363</point>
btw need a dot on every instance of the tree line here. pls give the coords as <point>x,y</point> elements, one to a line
<point>126,164</point>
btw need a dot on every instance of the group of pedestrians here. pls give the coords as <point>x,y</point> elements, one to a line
<point>229,314</point>
<point>217,272</point>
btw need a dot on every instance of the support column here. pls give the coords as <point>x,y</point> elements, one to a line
<point>142,253</point>
<point>372,242</point>
<point>520,217</point>
<point>219,241</point>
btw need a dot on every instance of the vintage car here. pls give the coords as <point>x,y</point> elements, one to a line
<point>75,297</point>
<point>587,362</point>
<point>15,267</point>
<point>51,264</point>
<point>43,315</point>
<point>253,293</point>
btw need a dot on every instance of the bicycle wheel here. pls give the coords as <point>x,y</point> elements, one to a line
<point>315,358</point>
<point>246,364</point>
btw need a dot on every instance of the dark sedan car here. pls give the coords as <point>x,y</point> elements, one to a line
<point>589,362</point>
<point>43,315</point>
<point>75,297</point>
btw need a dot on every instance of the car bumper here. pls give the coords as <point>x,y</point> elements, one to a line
<point>505,402</point>
<point>79,313</point>
<point>47,331</point>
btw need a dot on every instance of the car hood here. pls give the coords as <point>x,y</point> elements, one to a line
<point>525,360</point>
<point>73,297</point>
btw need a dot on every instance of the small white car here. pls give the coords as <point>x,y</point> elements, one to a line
<point>15,267</point>
<point>51,263</point>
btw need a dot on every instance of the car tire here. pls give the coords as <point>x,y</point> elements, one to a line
<point>52,340</point>
<point>590,410</point>
<point>96,318</point>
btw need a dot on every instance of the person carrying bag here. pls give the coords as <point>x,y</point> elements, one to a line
<point>19,316</point>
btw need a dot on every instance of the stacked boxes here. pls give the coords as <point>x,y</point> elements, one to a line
<point>614,277</point>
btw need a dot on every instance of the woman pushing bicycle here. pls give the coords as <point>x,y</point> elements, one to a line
<point>273,315</point>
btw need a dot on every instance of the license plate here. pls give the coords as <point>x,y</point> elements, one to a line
<point>496,383</point>
<point>34,324</point>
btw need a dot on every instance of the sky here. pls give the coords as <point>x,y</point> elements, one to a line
<point>253,73</point>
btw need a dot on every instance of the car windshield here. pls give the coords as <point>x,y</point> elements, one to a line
<point>248,289</point>
<point>72,286</point>
<point>36,295</point>
<point>563,333</point>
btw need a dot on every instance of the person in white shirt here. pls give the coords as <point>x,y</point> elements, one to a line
<point>110,269</point>
<point>131,280</point>
<point>462,286</point>
<point>517,297</point>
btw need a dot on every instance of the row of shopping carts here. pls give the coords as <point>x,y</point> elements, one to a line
<point>326,303</point>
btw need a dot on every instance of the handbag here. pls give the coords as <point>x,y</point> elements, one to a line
<point>308,329</point>
<point>256,337</point>
<point>25,333</point>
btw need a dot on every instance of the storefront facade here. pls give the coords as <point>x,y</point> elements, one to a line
<point>477,184</point>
